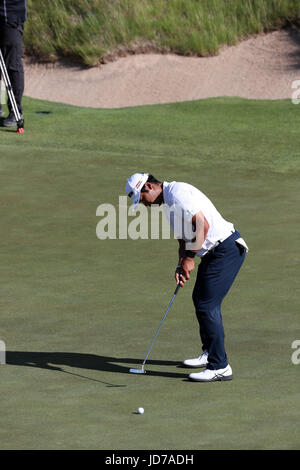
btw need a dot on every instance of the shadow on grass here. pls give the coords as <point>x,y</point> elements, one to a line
<point>8,129</point>
<point>54,361</point>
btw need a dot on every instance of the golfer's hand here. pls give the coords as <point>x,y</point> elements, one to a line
<point>182,273</point>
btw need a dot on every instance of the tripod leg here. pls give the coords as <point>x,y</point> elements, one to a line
<point>11,96</point>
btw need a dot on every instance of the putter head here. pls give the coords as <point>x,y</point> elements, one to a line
<point>137,371</point>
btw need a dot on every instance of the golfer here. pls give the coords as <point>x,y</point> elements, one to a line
<point>13,14</point>
<point>201,232</point>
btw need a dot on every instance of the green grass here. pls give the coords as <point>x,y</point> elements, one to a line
<point>78,312</point>
<point>88,31</point>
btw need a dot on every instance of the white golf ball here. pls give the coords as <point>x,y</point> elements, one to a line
<point>140,410</point>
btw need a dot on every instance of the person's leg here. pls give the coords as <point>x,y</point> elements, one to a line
<point>1,110</point>
<point>11,46</point>
<point>216,274</point>
<point>207,301</point>
<point>1,35</point>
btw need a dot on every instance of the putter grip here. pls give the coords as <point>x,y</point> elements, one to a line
<point>177,289</point>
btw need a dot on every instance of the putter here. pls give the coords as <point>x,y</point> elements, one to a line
<point>142,370</point>
<point>4,74</point>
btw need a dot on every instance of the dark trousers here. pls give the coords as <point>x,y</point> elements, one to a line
<point>11,36</point>
<point>216,274</point>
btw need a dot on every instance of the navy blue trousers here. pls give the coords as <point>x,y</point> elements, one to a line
<point>11,36</point>
<point>216,273</point>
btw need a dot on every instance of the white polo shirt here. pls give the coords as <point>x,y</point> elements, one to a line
<point>181,202</point>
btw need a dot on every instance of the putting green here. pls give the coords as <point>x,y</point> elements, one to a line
<point>78,312</point>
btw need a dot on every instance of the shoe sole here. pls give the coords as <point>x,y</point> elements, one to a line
<point>223,378</point>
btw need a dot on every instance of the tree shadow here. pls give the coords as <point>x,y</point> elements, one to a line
<point>55,361</point>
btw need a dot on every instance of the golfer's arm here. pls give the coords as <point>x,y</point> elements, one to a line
<point>200,227</point>
<point>181,250</point>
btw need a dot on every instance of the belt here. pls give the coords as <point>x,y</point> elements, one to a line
<point>220,241</point>
<point>225,238</point>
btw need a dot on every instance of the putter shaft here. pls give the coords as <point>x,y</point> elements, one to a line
<point>142,371</point>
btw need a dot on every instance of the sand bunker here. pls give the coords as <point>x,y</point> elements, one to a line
<point>261,67</point>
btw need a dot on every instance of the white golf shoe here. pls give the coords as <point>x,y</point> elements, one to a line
<point>209,375</point>
<point>200,361</point>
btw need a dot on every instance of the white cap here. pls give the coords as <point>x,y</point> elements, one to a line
<point>134,185</point>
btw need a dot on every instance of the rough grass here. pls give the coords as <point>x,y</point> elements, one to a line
<point>91,31</point>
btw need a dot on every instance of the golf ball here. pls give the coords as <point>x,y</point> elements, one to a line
<point>140,410</point>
